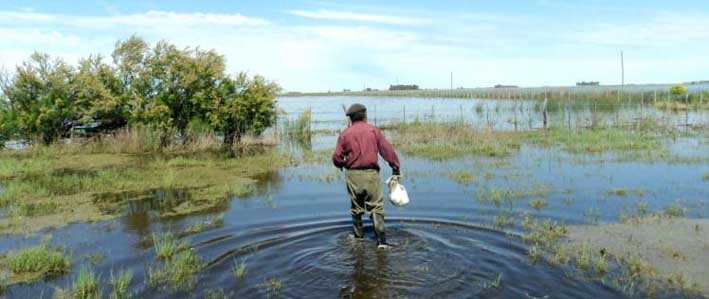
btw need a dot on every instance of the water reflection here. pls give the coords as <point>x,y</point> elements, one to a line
<point>369,273</point>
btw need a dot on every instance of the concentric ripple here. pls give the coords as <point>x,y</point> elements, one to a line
<point>431,259</point>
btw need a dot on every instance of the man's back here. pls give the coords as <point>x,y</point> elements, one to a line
<point>358,147</point>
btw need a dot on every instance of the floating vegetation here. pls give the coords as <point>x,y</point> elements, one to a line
<point>706,177</point>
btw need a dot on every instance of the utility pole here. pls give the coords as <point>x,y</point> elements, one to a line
<point>622,70</point>
<point>451,80</point>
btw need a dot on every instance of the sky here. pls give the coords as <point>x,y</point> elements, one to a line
<point>333,45</point>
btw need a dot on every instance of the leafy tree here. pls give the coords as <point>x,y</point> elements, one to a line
<point>245,105</point>
<point>6,121</point>
<point>166,86</point>
<point>41,98</point>
<point>678,92</point>
<point>99,94</point>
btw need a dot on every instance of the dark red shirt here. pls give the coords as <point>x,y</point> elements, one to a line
<point>358,146</point>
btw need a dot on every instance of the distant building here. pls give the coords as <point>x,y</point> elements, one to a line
<point>698,82</point>
<point>505,86</point>
<point>346,90</point>
<point>589,83</point>
<point>403,87</point>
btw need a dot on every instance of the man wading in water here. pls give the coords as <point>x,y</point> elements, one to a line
<point>356,150</point>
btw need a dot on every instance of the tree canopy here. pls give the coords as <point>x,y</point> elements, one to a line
<point>161,86</point>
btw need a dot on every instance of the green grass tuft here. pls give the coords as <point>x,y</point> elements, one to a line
<point>176,272</point>
<point>461,176</point>
<point>120,285</point>
<point>86,285</point>
<point>239,270</point>
<point>674,210</point>
<point>40,260</point>
<point>538,203</point>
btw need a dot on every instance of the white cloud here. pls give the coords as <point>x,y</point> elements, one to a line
<point>153,18</point>
<point>324,14</point>
<point>481,49</point>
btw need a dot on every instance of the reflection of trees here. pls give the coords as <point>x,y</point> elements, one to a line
<point>142,209</point>
<point>267,182</point>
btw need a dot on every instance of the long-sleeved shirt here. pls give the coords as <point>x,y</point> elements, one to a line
<point>358,146</point>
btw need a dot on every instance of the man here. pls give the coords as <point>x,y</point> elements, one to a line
<point>357,149</point>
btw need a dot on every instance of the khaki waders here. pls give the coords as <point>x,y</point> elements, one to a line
<point>365,189</point>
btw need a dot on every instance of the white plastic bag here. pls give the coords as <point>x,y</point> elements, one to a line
<point>397,192</point>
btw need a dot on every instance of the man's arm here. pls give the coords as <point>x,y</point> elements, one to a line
<point>387,152</point>
<point>338,157</point>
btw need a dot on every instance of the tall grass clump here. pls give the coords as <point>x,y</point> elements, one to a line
<point>177,264</point>
<point>40,260</point>
<point>239,270</point>
<point>299,130</point>
<point>166,245</point>
<point>120,285</point>
<point>86,285</point>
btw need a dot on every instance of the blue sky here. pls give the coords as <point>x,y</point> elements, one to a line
<point>331,45</point>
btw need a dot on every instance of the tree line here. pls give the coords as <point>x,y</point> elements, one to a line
<point>163,86</point>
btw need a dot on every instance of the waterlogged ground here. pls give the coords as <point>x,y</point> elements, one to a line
<point>464,234</point>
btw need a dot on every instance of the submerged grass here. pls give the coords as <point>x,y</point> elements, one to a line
<point>461,176</point>
<point>55,185</point>
<point>443,141</point>
<point>439,140</point>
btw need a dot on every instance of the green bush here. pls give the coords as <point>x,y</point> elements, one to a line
<point>176,91</point>
<point>678,92</point>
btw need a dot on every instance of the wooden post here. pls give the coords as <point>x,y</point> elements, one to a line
<point>544,112</point>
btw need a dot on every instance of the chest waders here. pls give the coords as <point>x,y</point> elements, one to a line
<point>365,190</point>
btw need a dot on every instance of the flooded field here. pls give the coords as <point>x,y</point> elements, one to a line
<point>487,215</point>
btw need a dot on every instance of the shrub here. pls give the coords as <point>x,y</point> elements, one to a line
<point>678,92</point>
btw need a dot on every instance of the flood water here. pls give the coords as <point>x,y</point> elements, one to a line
<point>296,227</point>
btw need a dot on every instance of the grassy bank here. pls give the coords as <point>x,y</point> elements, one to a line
<point>47,186</point>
